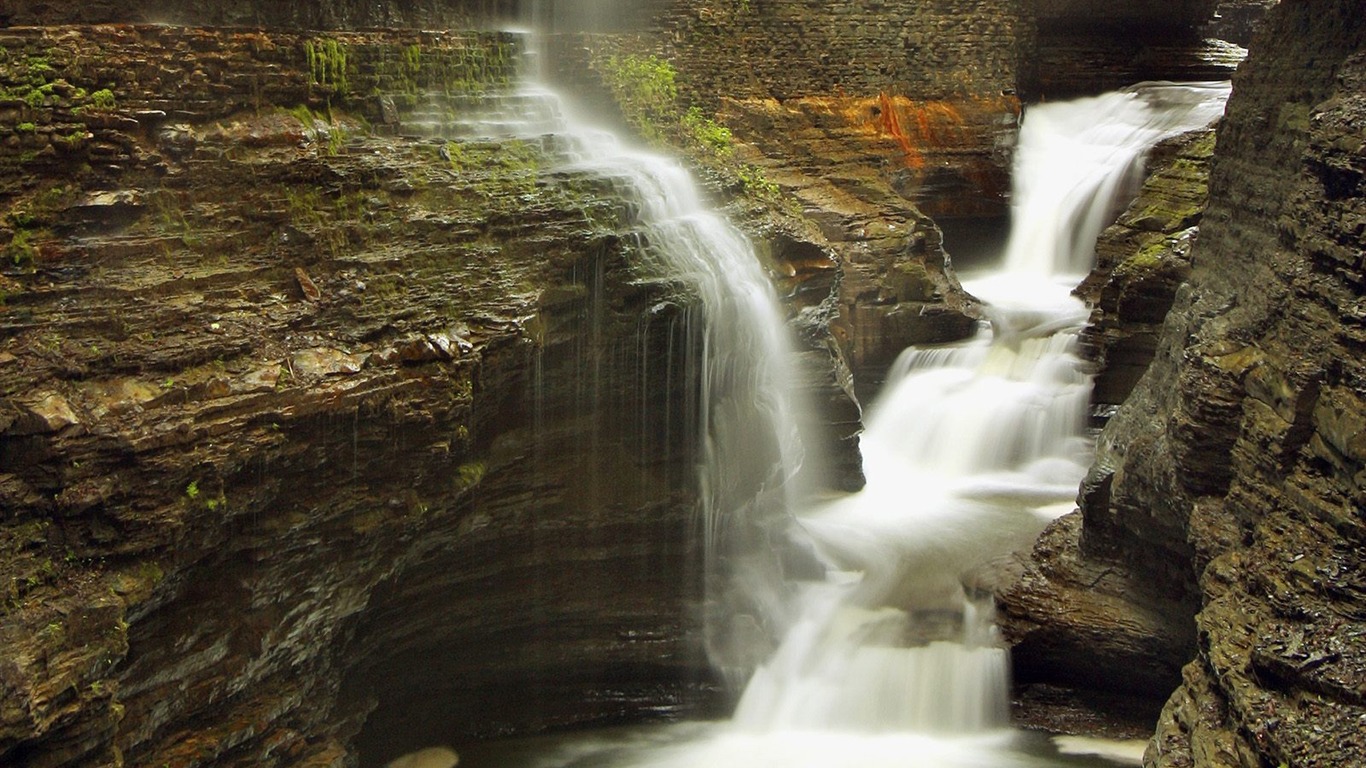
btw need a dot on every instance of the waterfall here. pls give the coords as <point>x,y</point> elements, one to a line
<point>1073,171</point>
<point>970,450</point>
<point>749,447</point>
<point>892,659</point>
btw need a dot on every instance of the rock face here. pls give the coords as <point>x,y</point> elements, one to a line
<point>1141,261</point>
<point>301,433</point>
<point>307,14</point>
<point>871,120</point>
<point>1229,486</point>
<point>1085,47</point>
<point>291,408</point>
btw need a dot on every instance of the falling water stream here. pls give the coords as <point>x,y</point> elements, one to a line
<point>972,448</point>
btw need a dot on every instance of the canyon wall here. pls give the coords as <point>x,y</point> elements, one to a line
<point>304,14</point>
<point>892,123</point>
<point>301,412</point>
<point>1229,485</point>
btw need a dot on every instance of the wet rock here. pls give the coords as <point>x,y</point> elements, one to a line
<point>234,518</point>
<point>1087,625</point>
<point>120,396</point>
<point>324,362</point>
<point>306,285</point>
<point>47,412</point>
<point>109,209</point>
<point>177,140</point>
<point>1142,259</point>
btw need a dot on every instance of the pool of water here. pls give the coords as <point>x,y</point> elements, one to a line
<point>722,745</point>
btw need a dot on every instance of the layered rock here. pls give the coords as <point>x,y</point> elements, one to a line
<point>1141,261</point>
<point>1228,486</point>
<point>1086,48</point>
<point>1092,650</point>
<point>870,119</point>
<point>308,14</point>
<point>286,404</point>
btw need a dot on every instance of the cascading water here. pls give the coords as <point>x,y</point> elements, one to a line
<point>750,449</point>
<point>969,452</point>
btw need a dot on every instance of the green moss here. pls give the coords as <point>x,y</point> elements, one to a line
<point>103,99</point>
<point>646,90</point>
<point>26,128</point>
<point>455,155</point>
<point>328,65</point>
<point>1146,261</point>
<point>21,251</point>
<point>98,101</point>
<point>412,64</point>
<point>72,140</point>
<point>470,474</point>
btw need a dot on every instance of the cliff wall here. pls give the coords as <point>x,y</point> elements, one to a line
<point>294,401</point>
<point>306,14</point>
<point>885,120</point>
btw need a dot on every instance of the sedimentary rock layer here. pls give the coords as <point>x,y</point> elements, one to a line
<point>288,400</point>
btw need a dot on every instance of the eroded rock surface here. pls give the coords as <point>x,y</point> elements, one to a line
<point>1141,261</point>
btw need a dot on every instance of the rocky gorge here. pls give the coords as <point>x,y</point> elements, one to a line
<point>325,435</point>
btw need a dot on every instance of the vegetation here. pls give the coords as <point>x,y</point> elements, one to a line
<point>646,90</point>
<point>327,64</point>
<point>324,129</point>
<point>33,80</point>
<point>103,99</point>
<point>470,474</point>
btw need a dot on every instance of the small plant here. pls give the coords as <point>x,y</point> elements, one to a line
<point>646,89</point>
<point>102,100</point>
<point>471,474</point>
<point>192,490</point>
<point>323,129</point>
<point>707,131</point>
<point>21,251</point>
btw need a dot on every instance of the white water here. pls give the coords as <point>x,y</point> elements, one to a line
<point>971,449</point>
<point>749,446</point>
